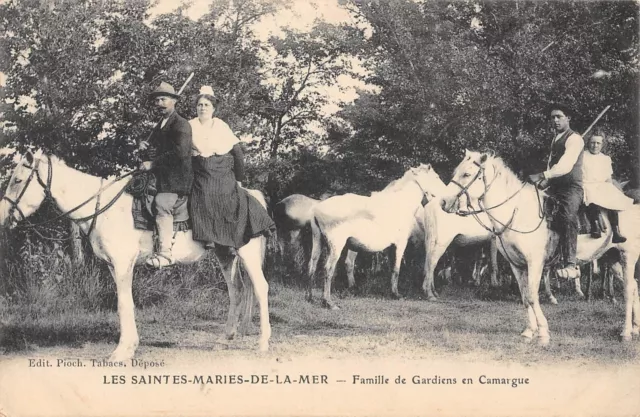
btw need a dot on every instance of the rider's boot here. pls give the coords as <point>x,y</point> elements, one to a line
<point>594,220</point>
<point>163,257</point>
<point>617,236</point>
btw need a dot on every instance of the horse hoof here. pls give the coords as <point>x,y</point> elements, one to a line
<point>553,301</point>
<point>230,336</point>
<point>263,346</point>
<point>330,305</point>
<point>543,341</point>
<point>527,334</point>
<point>626,338</point>
<point>432,298</point>
<point>635,331</point>
<point>397,296</point>
<point>121,355</point>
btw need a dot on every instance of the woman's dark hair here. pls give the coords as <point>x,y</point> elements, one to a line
<point>209,97</point>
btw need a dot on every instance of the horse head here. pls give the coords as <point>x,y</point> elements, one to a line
<point>469,181</point>
<point>428,180</point>
<point>23,195</point>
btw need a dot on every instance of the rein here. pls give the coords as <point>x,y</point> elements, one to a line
<point>474,213</point>
<point>47,191</point>
<point>505,226</point>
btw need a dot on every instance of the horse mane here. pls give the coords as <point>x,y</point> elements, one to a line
<point>511,181</point>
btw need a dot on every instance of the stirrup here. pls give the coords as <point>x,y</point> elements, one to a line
<point>570,272</point>
<point>159,260</point>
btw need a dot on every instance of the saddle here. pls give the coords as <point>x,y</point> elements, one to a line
<point>143,189</point>
<point>550,207</point>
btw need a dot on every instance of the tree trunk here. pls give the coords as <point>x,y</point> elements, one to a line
<point>77,254</point>
<point>493,252</point>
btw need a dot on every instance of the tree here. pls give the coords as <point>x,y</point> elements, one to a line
<point>455,75</point>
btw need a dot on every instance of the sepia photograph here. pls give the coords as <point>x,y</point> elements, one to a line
<point>319,208</point>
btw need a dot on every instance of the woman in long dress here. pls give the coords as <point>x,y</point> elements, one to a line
<point>222,212</point>
<point>599,190</point>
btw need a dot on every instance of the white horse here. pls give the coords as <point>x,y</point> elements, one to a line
<point>115,240</point>
<point>442,229</point>
<point>370,224</point>
<point>293,216</point>
<point>515,211</point>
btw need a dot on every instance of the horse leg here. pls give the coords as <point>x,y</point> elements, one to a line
<point>247,302</point>
<point>521,279</point>
<point>547,287</point>
<point>349,264</point>
<point>251,255</point>
<point>493,252</point>
<point>631,301</point>
<point>122,273</point>
<point>534,274</point>
<point>229,266</point>
<point>399,254</point>
<point>615,271</point>
<point>433,253</point>
<point>334,248</point>
<point>576,284</point>
<point>316,249</point>
<point>589,281</point>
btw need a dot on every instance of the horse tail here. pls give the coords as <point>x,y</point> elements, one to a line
<point>247,296</point>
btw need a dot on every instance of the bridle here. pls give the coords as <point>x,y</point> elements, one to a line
<point>35,172</point>
<point>486,210</point>
<point>505,226</point>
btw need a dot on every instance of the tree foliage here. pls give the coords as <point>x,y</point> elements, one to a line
<point>480,74</point>
<point>445,76</point>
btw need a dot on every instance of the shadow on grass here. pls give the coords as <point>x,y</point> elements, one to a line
<point>26,336</point>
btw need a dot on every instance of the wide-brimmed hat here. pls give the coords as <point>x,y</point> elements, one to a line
<point>164,89</point>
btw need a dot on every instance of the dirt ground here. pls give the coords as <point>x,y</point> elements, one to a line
<point>445,351</point>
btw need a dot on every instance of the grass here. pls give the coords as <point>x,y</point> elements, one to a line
<point>45,301</point>
<point>458,325</point>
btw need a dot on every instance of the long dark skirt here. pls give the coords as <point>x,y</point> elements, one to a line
<point>221,211</point>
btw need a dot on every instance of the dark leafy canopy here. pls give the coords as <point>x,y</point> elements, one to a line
<point>479,74</point>
<point>91,88</point>
<point>447,76</point>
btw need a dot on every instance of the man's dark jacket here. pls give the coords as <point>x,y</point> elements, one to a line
<point>172,161</point>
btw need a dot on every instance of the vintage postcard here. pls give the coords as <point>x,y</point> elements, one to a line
<point>319,208</point>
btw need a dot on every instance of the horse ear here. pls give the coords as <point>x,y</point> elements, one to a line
<point>483,158</point>
<point>29,157</point>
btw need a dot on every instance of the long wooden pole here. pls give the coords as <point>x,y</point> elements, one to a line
<point>596,121</point>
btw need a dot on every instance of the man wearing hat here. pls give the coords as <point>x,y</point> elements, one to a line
<point>170,161</point>
<point>564,178</point>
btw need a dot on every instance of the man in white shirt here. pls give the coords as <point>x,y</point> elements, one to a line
<point>564,178</point>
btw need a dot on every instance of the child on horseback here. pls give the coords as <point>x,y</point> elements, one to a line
<point>599,190</point>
